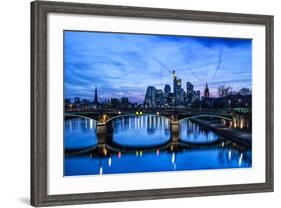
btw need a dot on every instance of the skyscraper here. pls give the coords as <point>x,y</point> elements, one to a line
<point>159,97</point>
<point>150,96</point>
<point>189,92</point>
<point>167,89</point>
<point>181,96</point>
<point>125,102</point>
<point>167,93</point>
<point>179,93</point>
<point>189,88</point>
<point>174,83</point>
<point>179,84</point>
<point>197,95</point>
<point>114,102</point>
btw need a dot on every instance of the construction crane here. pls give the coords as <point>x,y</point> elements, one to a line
<point>217,63</point>
<point>190,68</point>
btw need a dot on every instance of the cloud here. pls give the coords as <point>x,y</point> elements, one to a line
<point>125,64</point>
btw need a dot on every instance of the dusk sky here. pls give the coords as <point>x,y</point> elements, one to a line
<point>125,64</point>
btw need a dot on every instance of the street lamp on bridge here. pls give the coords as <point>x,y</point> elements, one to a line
<point>239,105</point>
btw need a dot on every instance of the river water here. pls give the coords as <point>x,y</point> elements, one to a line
<point>145,144</point>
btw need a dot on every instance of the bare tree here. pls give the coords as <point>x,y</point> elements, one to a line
<point>224,91</point>
<point>245,91</point>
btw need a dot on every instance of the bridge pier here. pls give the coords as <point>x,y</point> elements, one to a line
<point>175,130</point>
<point>101,133</point>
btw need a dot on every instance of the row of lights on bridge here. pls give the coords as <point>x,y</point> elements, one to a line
<point>140,113</point>
<point>104,117</point>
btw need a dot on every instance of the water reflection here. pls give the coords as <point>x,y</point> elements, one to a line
<point>190,132</point>
<point>152,148</point>
<point>214,158</point>
<point>238,122</point>
<point>141,131</point>
<point>79,133</point>
<point>236,158</point>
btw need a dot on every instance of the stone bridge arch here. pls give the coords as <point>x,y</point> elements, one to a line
<point>79,116</point>
<point>126,115</point>
<point>206,115</point>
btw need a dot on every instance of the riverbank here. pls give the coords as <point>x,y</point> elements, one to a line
<point>235,135</point>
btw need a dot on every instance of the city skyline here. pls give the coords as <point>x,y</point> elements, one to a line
<point>134,62</point>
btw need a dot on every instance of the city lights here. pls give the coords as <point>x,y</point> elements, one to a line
<point>137,113</point>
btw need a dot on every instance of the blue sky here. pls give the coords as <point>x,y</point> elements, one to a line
<point>125,64</point>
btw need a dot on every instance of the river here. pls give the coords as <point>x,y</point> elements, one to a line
<point>145,144</point>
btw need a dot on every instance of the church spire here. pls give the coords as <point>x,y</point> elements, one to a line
<point>206,92</point>
<point>96,96</point>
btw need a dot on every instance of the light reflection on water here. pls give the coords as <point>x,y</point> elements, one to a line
<point>151,162</point>
<point>79,133</point>
<point>141,131</point>
<point>145,132</point>
<point>190,132</point>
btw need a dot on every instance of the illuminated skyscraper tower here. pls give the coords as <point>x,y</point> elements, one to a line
<point>174,83</point>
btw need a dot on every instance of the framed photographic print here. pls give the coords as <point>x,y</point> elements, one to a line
<point>131,103</point>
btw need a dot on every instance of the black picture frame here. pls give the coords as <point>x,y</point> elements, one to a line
<point>39,98</point>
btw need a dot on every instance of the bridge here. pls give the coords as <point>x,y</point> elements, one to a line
<point>104,131</point>
<point>104,125</point>
<point>107,115</point>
